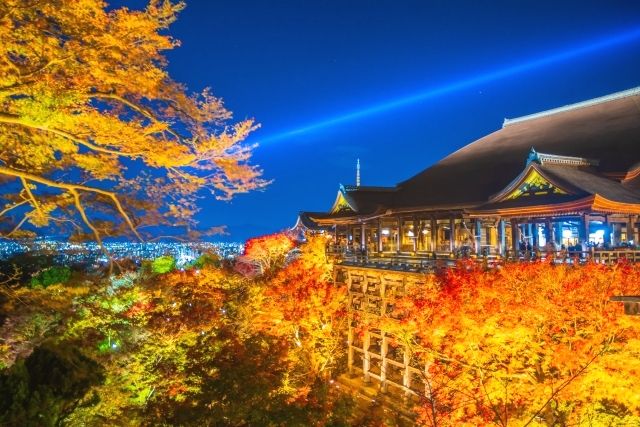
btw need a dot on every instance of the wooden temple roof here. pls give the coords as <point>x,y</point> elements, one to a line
<point>608,131</point>
<point>595,148</point>
<point>592,183</point>
<point>367,200</point>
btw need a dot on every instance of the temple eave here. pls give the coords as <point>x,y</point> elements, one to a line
<point>565,208</point>
<point>603,204</point>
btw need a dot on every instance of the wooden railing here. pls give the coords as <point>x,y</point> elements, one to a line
<point>432,261</point>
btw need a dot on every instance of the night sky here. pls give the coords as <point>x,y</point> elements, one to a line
<point>291,64</point>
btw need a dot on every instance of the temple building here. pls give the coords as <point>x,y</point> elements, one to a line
<point>563,183</point>
<point>562,179</point>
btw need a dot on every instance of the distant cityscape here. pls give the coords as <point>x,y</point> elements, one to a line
<point>90,252</point>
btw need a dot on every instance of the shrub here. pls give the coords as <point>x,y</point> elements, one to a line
<point>269,252</point>
<point>163,264</point>
<point>207,259</point>
<point>51,276</point>
<point>125,280</point>
<point>42,389</point>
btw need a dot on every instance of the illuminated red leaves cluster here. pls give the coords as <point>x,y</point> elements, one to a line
<point>268,252</point>
<point>530,343</point>
<point>301,304</point>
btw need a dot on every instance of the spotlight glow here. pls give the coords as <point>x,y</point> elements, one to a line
<point>434,92</point>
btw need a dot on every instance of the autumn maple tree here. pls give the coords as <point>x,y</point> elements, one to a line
<point>531,344</point>
<point>181,348</point>
<point>268,252</point>
<point>301,305</point>
<point>95,136</point>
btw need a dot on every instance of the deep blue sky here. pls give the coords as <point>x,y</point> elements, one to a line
<point>291,63</point>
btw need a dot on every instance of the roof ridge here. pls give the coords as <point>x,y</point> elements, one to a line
<point>353,188</point>
<point>557,159</point>
<point>582,104</point>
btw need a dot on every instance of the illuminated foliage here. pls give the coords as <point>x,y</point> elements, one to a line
<point>246,387</point>
<point>207,260</point>
<point>144,335</point>
<point>95,136</point>
<point>31,315</point>
<point>183,348</point>
<point>528,344</point>
<point>47,386</point>
<point>268,252</point>
<point>301,305</point>
<point>163,264</point>
<point>51,276</point>
<point>531,344</point>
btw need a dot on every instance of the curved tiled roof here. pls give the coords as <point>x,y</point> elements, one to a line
<point>366,200</point>
<point>608,130</point>
<point>591,183</point>
<point>590,142</point>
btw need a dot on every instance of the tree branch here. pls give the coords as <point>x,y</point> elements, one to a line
<point>5,210</point>
<point>17,120</point>
<point>135,107</point>
<point>73,187</point>
<point>34,202</point>
<point>85,219</point>
<point>44,66</point>
<point>18,226</point>
<point>564,384</point>
<point>13,88</point>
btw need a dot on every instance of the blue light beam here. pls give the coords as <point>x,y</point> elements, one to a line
<point>618,39</point>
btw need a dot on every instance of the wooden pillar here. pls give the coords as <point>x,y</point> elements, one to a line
<point>502,238</point>
<point>515,238</point>
<point>608,230</point>
<point>478,235</point>
<point>452,234</point>
<point>366,358</point>
<point>416,234</point>
<point>558,233</point>
<point>631,229</point>
<point>348,281</point>
<point>406,376</point>
<point>399,235</point>
<point>383,368</point>
<point>533,232</point>
<point>363,243</point>
<point>350,340</point>
<point>434,234</point>
<point>385,342</point>
<point>548,230</point>
<point>379,235</point>
<point>629,226</point>
<point>583,231</point>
